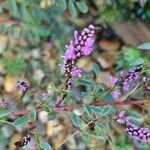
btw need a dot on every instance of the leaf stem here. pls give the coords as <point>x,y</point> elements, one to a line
<point>6,122</point>
<point>37,140</point>
<point>75,133</point>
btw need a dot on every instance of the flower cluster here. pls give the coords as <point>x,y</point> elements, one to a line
<point>138,133</point>
<point>131,76</point>
<point>22,85</point>
<point>146,80</point>
<point>116,94</point>
<point>26,139</point>
<point>126,81</point>
<point>4,104</point>
<point>80,46</point>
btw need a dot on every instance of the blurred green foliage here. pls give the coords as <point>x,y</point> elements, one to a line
<point>14,66</point>
<point>124,10</point>
<point>131,57</point>
<point>40,17</point>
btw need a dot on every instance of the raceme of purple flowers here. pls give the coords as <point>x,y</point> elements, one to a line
<point>146,80</point>
<point>126,81</point>
<point>22,85</point>
<point>5,104</point>
<point>136,132</point>
<point>80,46</point>
<point>131,76</point>
<point>26,139</point>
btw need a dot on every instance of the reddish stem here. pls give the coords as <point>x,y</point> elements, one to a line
<point>68,107</point>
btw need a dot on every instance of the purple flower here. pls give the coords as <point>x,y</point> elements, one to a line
<point>22,85</point>
<point>76,72</point>
<point>5,104</point>
<point>80,46</point>
<point>138,133</point>
<point>146,81</point>
<point>26,139</point>
<point>130,77</point>
<point>116,94</point>
<point>113,80</point>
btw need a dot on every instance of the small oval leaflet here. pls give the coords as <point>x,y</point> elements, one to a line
<point>145,46</point>
<point>32,115</point>
<point>82,7</point>
<point>96,69</point>
<point>86,82</point>
<point>72,9</point>
<point>45,145</point>
<point>21,121</point>
<point>75,119</point>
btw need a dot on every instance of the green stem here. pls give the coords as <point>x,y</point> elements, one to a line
<point>6,122</point>
<point>37,140</point>
<point>132,91</point>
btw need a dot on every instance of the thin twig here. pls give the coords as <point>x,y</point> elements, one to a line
<point>78,131</point>
<point>6,122</point>
<point>68,107</point>
<point>37,140</point>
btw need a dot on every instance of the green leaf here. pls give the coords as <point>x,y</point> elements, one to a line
<point>96,109</point>
<point>82,7</point>
<point>20,121</point>
<point>72,9</point>
<point>12,7</point>
<point>138,61</point>
<point>91,136</point>
<point>23,12</point>
<point>53,2</point>
<point>75,119</point>
<point>100,89</point>
<point>133,114</point>
<point>145,46</point>
<point>88,109</point>
<point>46,108</point>
<point>107,110</point>
<point>86,82</point>
<point>100,126</point>
<point>32,115</point>
<point>45,145</point>
<point>96,69</point>
<point>63,4</point>
<point>6,112</point>
<point>84,94</point>
<point>14,67</point>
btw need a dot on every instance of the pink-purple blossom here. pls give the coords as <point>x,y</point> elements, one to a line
<point>22,85</point>
<point>116,94</point>
<point>136,132</point>
<point>131,77</point>
<point>113,80</point>
<point>81,45</point>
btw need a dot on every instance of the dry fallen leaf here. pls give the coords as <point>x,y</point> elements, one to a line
<point>105,77</point>
<point>3,43</point>
<point>16,137</point>
<point>109,45</point>
<point>107,59</point>
<point>9,83</point>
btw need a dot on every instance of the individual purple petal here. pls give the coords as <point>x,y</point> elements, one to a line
<point>76,72</point>
<point>70,51</point>
<point>76,34</point>
<point>116,94</point>
<point>89,42</point>
<point>87,50</point>
<point>113,80</point>
<point>121,114</point>
<point>120,120</point>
